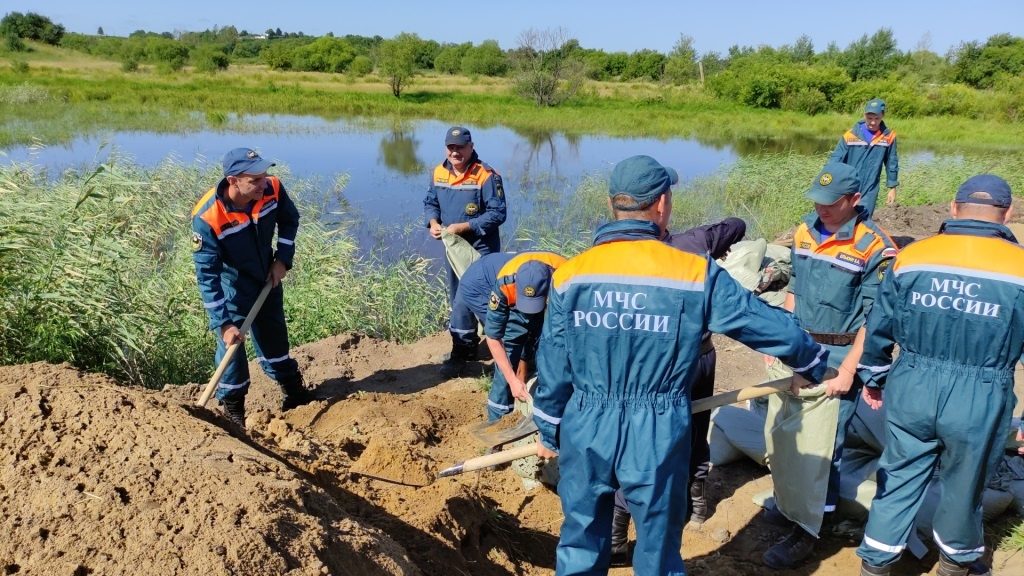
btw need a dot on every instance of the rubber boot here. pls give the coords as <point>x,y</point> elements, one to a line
<point>295,394</point>
<point>234,410</point>
<point>869,570</point>
<point>455,363</point>
<point>620,538</point>
<point>949,568</point>
<point>698,502</point>
<point>792,551</point>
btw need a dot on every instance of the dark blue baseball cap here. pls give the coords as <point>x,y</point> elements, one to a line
<point>244,161</point>
<point>642,178</point>
<point>875,106</point>
<point>985,189</point>
<point>833,182</point>
<point>533,280</point>
<point>457,135</point>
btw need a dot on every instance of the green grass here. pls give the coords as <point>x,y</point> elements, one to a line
<point>68,101</point>
<point>95,270</point>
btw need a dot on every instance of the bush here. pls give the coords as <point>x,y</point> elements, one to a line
<point>210,59</point>
<point>807,100</point>
<point>486,59</point>
<point>14,43</point>
<point>361,66</point>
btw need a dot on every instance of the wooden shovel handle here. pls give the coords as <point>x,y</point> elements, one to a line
<point>212,384</point>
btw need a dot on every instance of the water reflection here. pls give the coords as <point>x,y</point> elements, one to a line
<point>398,151</point>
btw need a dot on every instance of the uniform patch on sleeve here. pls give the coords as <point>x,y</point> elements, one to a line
<point>472,209</point>
<point>493,302</point>
<point>197,242</point>
<point>499,188</point>
<point>882,267</point>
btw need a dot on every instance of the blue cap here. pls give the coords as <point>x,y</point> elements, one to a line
<point>533,280</point>
<point>875,106</point>
<point>457,135</point>
<point>244,161</point>
<point>642,178</point>
<point>985,189</point>
<point>833,182</point>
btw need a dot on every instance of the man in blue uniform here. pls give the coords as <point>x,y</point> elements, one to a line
<point>955,305</point>
<point>869,146</point>
<point>233,227</point>
<point>515,315</point>
<point>466,197</point>
<point>619,347</point>
<point>839,258</point>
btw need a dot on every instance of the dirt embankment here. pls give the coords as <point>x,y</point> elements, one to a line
<point>101,479</point>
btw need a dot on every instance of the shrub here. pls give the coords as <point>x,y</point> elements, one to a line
<point>361,66</point>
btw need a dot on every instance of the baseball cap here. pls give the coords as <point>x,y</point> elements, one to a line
<point>457,135</point>
<point>875,106</point>
<point>642,178</point>
<point>244,161</point>
<point>985,189</point>
<point>833,182</point>
<point>533,279</point>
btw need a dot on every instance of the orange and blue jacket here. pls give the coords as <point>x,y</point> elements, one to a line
<point>504,322</point>
<point>477,197</point>
<point>956,298</point>
<point>835,279</point>
<point>868,154</point>
<point>233,248</point>
<point>625,319</point>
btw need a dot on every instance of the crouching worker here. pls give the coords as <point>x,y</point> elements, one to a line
<point>233,225</point>
<point>515,316</point>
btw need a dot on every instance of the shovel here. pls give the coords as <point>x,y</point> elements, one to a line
<point>702,405</point>
<point>212,385</point>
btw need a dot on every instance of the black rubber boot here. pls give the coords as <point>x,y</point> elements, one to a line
<point>775,517</point>
<point>620,538</point>
<point>792,551</point>
<point>949,568</point>
<point>295,394</point>
<point>234,410</point>
<point>455,363</point>
<point>869,570</point>
<point>698,502</point>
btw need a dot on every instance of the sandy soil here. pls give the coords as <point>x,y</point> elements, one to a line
<point>101,479</point>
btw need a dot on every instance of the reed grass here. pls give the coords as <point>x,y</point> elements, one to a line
<point>95,270</point>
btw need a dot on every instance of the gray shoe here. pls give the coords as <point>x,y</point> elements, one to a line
<point>234,410</point>
<point>869,570</point>
<point>949,568</point>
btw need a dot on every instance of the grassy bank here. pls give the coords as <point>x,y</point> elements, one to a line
<point>95,269</point>
<point>55,103</point>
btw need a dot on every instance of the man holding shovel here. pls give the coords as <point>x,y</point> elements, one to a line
<point>233,226</point>
<point>619,348</point>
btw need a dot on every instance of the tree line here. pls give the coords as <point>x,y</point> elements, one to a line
<point>549,66</point>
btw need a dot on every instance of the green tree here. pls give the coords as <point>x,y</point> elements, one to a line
<point>546,68</point>
<point>980,65</point>
<point>449,59</point>
<point>210,58</point>
<point>644,64</point>
<point>871,57</point>
<point>99,31</point>
<point>487,59</point>
<point>396,61</point>
<point>325,54</point>
<point>681,64</point>
<point>31,26</point>
<point>361,65</point>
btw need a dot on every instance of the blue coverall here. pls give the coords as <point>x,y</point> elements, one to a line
<point>868,153</point>
<point>476,197</point>
<point>233,250</point>
<point>519,332</point>
<point>618,350</point>
<point>473,294</point>
<point>835,280</point>
<point>955,305</point>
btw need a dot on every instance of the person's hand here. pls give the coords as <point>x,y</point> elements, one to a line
<point>890,198</point>
<point>543,452</point>
<point>841,384</point>
<point>1020,438</point>
<point>230,334</point>
<point>873,398</point>
<point>435,229</point>
<point>769,360</point>
<point>518,389</point>
<point>797,382</point>
<point>277,273</point>
<point>459,228</point>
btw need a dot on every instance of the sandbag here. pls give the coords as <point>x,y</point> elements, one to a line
<point>460,254</point>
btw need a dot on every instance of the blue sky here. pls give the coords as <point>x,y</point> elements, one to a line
<point>625,25</point>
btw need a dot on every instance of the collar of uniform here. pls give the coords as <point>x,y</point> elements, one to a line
<point>977,228</point>
<point>845,231</point>
<point>627,230</point>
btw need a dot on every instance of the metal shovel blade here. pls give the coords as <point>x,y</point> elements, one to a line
<point>491,437</point>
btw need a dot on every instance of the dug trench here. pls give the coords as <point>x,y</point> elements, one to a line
<point>98,478</point>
